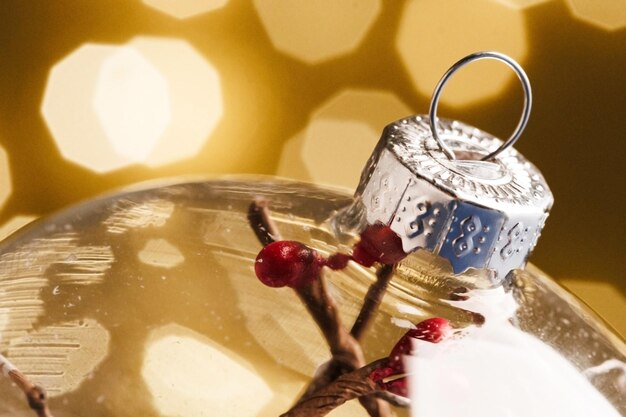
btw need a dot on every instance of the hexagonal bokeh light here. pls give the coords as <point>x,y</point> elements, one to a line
<point>152,101</point>
<point>606,14</point>
<point>182,9</point>
<point>443,31</point>
<point>131,101</point>
<point>314,31</point>
<point>340,137</point>
<point>522,4</point>
<point>5,177</point>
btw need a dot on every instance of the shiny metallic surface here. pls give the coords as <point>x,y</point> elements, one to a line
<point>474,213</point>
<point>528,98</point>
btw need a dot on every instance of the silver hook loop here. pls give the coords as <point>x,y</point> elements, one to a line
<point>521,125</point>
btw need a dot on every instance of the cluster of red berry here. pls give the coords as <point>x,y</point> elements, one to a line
<point>293,264</point>
<point>392,375</point>
<point>289,263</point>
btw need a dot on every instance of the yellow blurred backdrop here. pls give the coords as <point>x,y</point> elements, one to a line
<point>98,94</point>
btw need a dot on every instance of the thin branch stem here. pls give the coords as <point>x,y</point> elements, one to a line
<point>373,298</point>
<point>346,387</point>
<point>323,309</point>
<point>346,351</point>
<point>35,394</point>
<point>262,224</point>
<point>393,399</point>
<point>334,368</point>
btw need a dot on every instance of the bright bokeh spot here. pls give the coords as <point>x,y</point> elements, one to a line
<point>132,103</point>
<point>182,9</point>
<point>434,34</point>
<point>68,108</point>
<point>340,137</point>
<point>314,31</point>
<point>14,224</point>
<point>161,253</point>
<point>195,94</point>
<point>187,372</point>
<point>152,101</point>
<point>521,4</point>
<point>606,14</point>
<point>5,177</point>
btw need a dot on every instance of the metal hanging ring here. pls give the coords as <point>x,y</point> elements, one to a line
<point>521,125</point>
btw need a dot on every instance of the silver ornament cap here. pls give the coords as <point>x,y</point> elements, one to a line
<point>454,190</point>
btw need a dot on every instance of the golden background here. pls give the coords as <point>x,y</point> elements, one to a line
<point>98,94</point>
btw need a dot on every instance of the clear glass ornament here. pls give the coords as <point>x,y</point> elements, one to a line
<point>146,302</point>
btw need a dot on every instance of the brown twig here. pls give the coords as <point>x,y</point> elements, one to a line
<point>35,394</point>
<point>355,384</point>
<point>261,223</point>
<point>334,368</point>
<point>373,299</point>
<point>346,351</point>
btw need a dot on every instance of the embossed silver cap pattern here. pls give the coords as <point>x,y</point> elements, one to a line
<point>475,213</point>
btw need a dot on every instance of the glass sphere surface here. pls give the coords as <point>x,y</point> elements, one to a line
<point>145,302</point>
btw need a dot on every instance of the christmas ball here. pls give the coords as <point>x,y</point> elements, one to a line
<point>145,302</point>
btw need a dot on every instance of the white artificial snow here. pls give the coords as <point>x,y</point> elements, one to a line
<point>498,371</point>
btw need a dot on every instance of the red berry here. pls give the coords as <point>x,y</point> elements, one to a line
<point>338,261</point>
<point>397,386</point>
<point>402,348</point>
<point>378,244</point>
<point>287,263</point>
<point>381,373</point>
<point>432,330</point>
<point>362,257</point>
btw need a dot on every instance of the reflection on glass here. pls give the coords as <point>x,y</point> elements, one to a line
<point>605,298</point>
<point>134,338</point>
<point>13,224</point>
<point>160,253</point>
<point>62,356</point>
<point>188,374</point>
<point>5,177</point>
